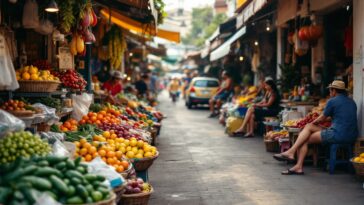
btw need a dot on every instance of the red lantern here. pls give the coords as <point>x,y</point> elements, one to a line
<point>304,33</point>
<point>315,32</point>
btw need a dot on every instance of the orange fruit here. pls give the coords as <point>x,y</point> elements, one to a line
<point>104,159</point>
<point>102,112</point>
<point>88,158</point>
<point>76,155</point>
<point>83,141</point>
<point>85,117</point>
<point>92,150</point>
<point>100,116</point>
<point>94,155</point>
<point>64,129</point>
<point>95,144</point>
<point>120,169</point>
<point>113,136</point>
<point>106,134</point>
<point>82,121</point>
<point>110,154</point>
<point>83,159</point>
<point>110,161</point>
<point>83,151</point>
<point>102,153</point>
<point>77,143</point>
<point>98,122</point>
<point>73,122</point>
<point>67,125</point>
<point>118,154</point>
<point>73,127</point>
<point>125,164</point>
<point>86,145</point>
<point>93,119</point>
<point>90,114</point>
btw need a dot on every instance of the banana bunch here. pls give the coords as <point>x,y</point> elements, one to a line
<point>291,123</point>
<point>116,45</point>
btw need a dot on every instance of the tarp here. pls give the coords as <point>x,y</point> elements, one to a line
<point>130,24</point>
<point>224,49</point>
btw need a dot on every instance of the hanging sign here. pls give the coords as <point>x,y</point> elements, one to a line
<point>66,59</point>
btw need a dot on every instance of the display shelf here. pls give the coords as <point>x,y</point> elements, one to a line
<point>10,94</point>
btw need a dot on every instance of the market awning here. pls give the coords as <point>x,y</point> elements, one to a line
<point>228,26</point>
<point>224,49</point>
<point>240,3</point>
<point>130,24</point>
<point>253,7</point>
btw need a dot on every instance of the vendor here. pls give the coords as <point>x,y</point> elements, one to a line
<point>114,86</point>
<point>342,110</point>
<point>268,107</point>
<point>222,94</point>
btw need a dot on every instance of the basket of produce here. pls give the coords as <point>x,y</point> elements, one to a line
<point>141,164</point>
<point>18,108</point>
<point>118,192</point>
<point>38,86</point>
<point>359,146</point>
<point>137,193</point>
<point>358,164</point>
<point>271,145</point>
<point>127,170</point>
<point>110,201</point>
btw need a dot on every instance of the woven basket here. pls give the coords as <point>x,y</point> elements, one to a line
<point>43,127</point>
<point>119,191</point>
<point>144,163</point>
<point>154,134</point>
<point>126,173</point>
<point>20,113</point>
<point>359,146</point>
<point>136,199</point>
<point>271,145</point>
<point>110,201</point>
<point>359,168</point>
<point>38,86</point>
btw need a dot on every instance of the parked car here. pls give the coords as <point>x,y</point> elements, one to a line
<point>200,90</point>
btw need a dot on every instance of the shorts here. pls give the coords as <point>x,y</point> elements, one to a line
<point>328,136</point>
<point>261,113</point>
<point>222,96</point>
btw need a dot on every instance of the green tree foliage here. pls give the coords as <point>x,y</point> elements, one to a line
<point>204,24</point>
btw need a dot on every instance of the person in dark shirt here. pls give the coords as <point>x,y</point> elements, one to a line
<point>344,129</point>
<point>142,86</point>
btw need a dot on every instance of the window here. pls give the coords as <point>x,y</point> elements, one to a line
<point>206,83</point>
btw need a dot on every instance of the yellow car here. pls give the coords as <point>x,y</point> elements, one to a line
<point>200,90</point>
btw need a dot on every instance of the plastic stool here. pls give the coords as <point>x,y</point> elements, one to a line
<point>331,160</point>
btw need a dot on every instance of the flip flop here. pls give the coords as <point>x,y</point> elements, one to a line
<point>238,134</point>
<point>248,135</point>
<point>291,172</point>
<point>282,158</point>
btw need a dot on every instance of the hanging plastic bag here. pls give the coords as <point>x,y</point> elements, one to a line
<point>7,78</point>
<point>50,113</point>
<point>9,123</point>
<point>81,104</point>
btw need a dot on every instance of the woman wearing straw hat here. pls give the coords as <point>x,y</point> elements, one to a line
<point>342,110</point>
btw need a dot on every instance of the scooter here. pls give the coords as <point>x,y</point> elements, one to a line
<point>174,96</point>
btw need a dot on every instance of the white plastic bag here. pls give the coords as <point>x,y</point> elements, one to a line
<point>81,104</point>
<point>99,167</point>
<point>9,123</point>
<point>50,113</point>
<point>7,78</point>
<point>44,198</point>
<point>30,14</point>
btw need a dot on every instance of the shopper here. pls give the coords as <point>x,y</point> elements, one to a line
<point>114,85</point>
<point>342,110</point>
<point>268,107</point>
<point>142,86</point>
<point>222,94</point>
<point>174,88</point>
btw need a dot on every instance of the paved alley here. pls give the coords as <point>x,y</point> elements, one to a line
<point>201,165</point>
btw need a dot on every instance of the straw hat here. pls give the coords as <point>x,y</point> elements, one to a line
<point>117,74</point>
<point>337,84</point>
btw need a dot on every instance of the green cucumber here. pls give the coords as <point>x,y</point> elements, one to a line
<point>89,188</point>
<point>103,190</point>
<point>81,190</point>
<point>100,178</point>
<point>18,195</point>
<point>96,196</point>
<point>70,164</point>
<point>38,183</point>
<point>67,181</point>
<point>89,200</point>
<point>30,169</point>
<point>75,200</point>
<point>71,190</point>
<point>91,177</point>
<point>4,194</point>
<point>43,163</point>
<point>52,159</point>
<point>47,171</point>
<point>75,181</point>
<point>29,195</point>
<point>60,166</point>
<point>51,194</point>
<point>78,161</point>
<point>13,175</point>
<point>74,173</point>
<point>58,184</point>
<point>81,169</point>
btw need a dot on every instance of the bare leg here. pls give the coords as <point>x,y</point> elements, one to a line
<point>302,138</point>
<point>315,138</point>
<point>218,105</point>
<point>251,125</point>
<point>247,117</point>
<point>212,105</point>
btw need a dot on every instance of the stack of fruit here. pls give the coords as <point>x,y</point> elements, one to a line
<point>69,125</point>
<point>136,186</point>
<point>359,159</point>
<point>32,73</point>
<point>310,118</point>
<point>276,135</point>
<point>65,180</point>
<point>85,150</point>
<point>16,105</point>
<point>71,79</point>
<point>121,130</point>
<point>21,144</point>
<point>102,117</point>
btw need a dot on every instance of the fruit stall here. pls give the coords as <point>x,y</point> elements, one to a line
<point>57,145</point>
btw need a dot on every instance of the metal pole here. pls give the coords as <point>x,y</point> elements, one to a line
<point>88,68</point>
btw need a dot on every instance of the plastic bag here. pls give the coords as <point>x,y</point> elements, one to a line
<point>99,167</point>
<point>44,198</point>
<point>9,123</point>
<point>290,115</point>
<point>81,104</point>
<point>59,149</point>
<point>30,14</point>
<point>52,137</point>
<point>50,113</point>
<point>7,78</point>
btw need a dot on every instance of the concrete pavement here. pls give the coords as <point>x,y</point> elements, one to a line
<point>199,165</point>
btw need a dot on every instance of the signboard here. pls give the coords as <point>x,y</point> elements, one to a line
<point>65,59</point>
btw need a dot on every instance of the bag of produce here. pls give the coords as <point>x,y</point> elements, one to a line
<point>49,113</point>
<point>30,14</point>
<point>9,123</point>
<point>99,167</point>
<point>81,104</point>
<point>232,124</point>
<point>8,79</point>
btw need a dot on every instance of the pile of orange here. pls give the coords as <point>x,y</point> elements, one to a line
<point>69,125</point>
<point>105,116</point>
<point>86,150</point>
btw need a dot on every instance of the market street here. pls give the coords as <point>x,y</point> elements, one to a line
<point>200,164</point>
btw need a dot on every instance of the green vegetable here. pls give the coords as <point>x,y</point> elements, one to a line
<point>30,169</point>
<point>29,195</point>
<point>70,164</point>
<point>96,196</point>
<point>81,169</point>
<point>78,161</point>
<point>71,190</point>
<point>47,171</point>
<point>54,159</point>
<point>18,195</point>
<point>61,165</point>
<point>59,184</point>
<point>100,178</point>
<point>43,163</point>
<point>81,190</point>
<point>103,190</point>
<point>75,181</point>
<point>4,194</point>
<point>91,177</point>
<point>74,173</point>
<point>89,200</point>
<point>38,182</point>
<point>75,200</point>
<point>51,194</point>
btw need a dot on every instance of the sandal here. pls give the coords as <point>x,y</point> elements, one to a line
<point>238,134</point>
<point>282,158</point>
<point>291,172</point>
<point>248,135</point>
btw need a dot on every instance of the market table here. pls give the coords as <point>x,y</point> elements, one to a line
<point>303,106</point>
